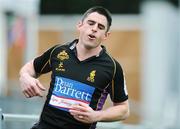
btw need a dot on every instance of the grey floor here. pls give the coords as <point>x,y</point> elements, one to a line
<point>13,105</point>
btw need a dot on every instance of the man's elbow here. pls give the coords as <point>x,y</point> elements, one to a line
<point>124,111</point>
<point>126,114</point>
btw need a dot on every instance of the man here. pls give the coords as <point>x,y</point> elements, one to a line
<point>83,74</point>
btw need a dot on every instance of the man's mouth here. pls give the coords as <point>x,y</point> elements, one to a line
<point>91,36</point>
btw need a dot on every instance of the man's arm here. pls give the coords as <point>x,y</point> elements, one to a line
<point>119,111</point>
<point>84,113</point>
<point>29,84</point>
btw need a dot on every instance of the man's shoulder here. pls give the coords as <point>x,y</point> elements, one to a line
<point>65,45</point>
<point>61,46</point>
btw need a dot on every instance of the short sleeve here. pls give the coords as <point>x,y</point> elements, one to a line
<point>117,88</point>
<point>42,63</point>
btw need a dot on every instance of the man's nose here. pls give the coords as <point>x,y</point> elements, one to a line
<point>95,27</point>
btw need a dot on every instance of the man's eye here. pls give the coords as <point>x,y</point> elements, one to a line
<point>91,23</point>
<point>101,27</point>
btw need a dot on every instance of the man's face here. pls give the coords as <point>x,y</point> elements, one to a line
<point>93,30</point>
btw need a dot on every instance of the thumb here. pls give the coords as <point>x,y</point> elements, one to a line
<point>40,86</point>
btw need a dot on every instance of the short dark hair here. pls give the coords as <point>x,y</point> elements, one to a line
<point>101,10</point>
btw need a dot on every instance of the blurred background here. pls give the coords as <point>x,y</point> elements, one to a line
<point>144,38</point>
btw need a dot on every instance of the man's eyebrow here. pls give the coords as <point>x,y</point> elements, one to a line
<point>91,21</point>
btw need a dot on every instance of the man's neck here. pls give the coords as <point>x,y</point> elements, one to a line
<point>84,53</point>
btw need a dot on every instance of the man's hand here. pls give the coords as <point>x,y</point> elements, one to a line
<point>84,113</point>
<point>31,86</point>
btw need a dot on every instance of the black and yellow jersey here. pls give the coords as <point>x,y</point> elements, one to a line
<point>73,81</point>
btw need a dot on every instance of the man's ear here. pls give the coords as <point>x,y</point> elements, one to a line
<point>106,35</point>
<point>79,24</point>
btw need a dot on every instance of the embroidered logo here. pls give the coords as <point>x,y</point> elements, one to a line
<point>60,67</point>
<point>63,55</point>
<point>91,76</point>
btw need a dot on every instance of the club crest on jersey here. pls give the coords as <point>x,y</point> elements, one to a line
<point>91,76</point>
<point>63,55</point>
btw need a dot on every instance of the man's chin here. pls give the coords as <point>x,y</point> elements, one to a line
<point>90,46</point>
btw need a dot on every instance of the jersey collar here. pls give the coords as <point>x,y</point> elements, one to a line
<point>72,46</point>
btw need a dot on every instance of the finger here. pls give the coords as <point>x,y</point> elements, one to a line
<point>37,91</point>
<point>31,91</point>
<point>40,86</point>
<point>79,107</point>
<point>81,118</point>
<point>78,117</point>
<point>83,104</point>
<point>73,112</point>
<point>26,95</point>
<point>77,112</point>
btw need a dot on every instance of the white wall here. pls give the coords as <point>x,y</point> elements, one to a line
<point>159,52</point>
